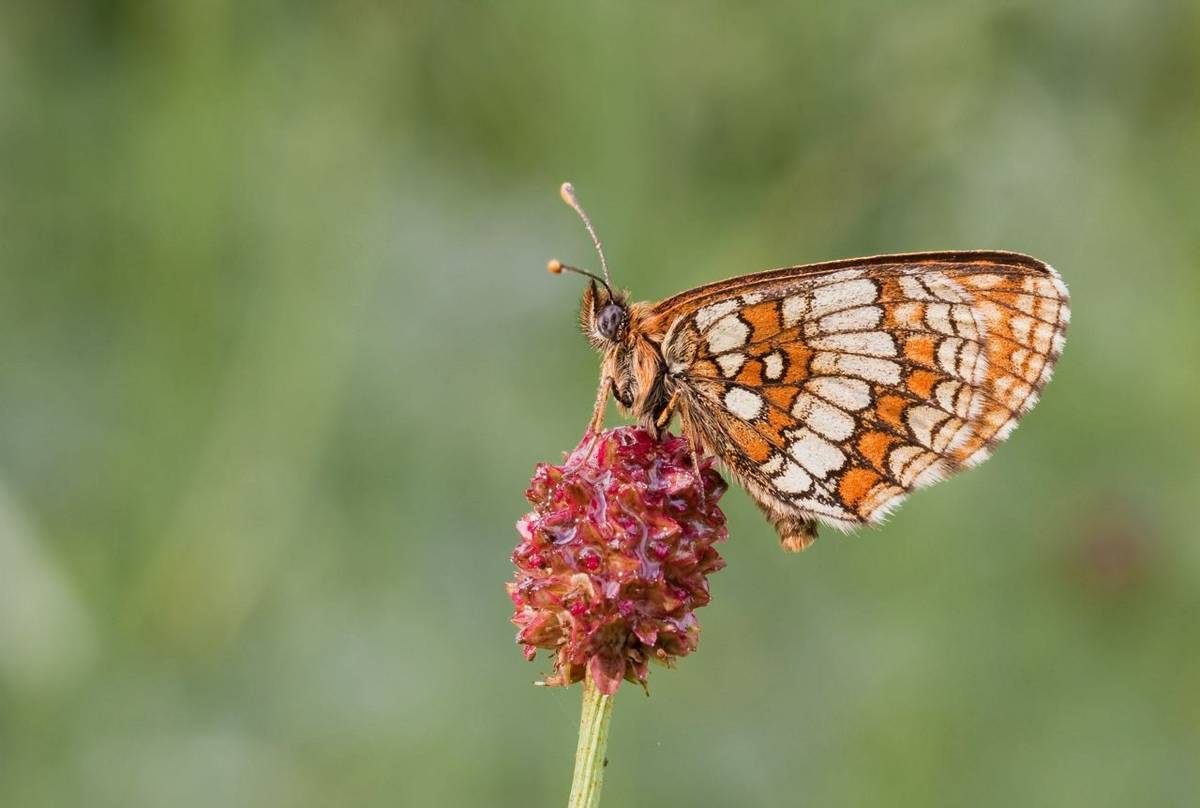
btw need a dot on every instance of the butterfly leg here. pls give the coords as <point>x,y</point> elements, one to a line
<point>664,417</point>
<point>692,436</point>
<point>696,471</point>
<point>597,421</point>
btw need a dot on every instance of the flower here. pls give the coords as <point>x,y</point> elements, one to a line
<point>615,556</point>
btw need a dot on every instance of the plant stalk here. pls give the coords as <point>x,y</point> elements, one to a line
<point>593,740</point>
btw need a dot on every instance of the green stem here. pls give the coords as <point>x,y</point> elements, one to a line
<point>593,739</point>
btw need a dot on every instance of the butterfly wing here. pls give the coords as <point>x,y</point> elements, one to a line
<point>833,390</point>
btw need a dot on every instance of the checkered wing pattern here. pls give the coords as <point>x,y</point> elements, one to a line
<point>833,390</point>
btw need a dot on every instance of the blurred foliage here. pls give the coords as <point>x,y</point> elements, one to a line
<point>277,356</point>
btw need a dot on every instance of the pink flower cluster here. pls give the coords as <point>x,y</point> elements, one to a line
<point>615,556</point>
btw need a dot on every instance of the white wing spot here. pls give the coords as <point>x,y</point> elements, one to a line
<point>742,403</point>
<point>731,363</point>
<point>913,289</point>
<point>970,402</point>
<point>1048,309</point>
<point>947,434</point>
<point>965,321</point>
<point>849,394</point>
<point>909,314</point>
<point>793,309</point>
<point>1018,358</point>
<point>814,453</point>
<point>710,314</point>
<point>900,457</point>
<point>1047,287</point>
<point>945,288</point>
<point>947,353</point>
<point>1042,335</point>
<point>773,365</point>
<point>822,417</point>
<point>972,363</point>
<point>989,311</point>
<point>985,281</point>
<point>872,343</point>
<point>922,420</point>
<point>1004,388</point>
<point>851,320</point>
<point>793,480</point>
<point>937,317</point>
<point>944,394</point>
<point>842,295</point>
<point>1033,369</point>
<point>773,465</point>
<point>728,333</point>
<point>1021,326</point>
<point>883,371</point>
<point>1017,392</point>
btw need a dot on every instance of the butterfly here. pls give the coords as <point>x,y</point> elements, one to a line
<point>831,391</point>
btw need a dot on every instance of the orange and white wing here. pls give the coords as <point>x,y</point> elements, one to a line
<point>833,390</point>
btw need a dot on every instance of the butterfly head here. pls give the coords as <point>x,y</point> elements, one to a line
<point>603,313</point>
<point>611,320</point>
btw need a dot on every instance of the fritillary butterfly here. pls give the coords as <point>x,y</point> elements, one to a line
<point>832,390</point>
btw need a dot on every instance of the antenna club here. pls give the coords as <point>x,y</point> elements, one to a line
<point>555,267</point>
<point>567,192</point>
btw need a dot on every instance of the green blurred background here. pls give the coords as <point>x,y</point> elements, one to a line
<point>278,354</point>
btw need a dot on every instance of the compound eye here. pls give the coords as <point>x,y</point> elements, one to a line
<point>610,320</point>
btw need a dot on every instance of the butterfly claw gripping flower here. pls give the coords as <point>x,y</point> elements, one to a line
<point>615,556</point>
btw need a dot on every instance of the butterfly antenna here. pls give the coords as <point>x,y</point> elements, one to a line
<point>567,192</point>
<point>555,267</point>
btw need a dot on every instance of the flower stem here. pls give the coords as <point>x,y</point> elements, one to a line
<point>593,740</point>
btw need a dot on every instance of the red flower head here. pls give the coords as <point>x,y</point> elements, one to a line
<point>615,556</point>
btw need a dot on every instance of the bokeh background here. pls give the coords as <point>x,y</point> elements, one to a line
<point>278,354</point>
